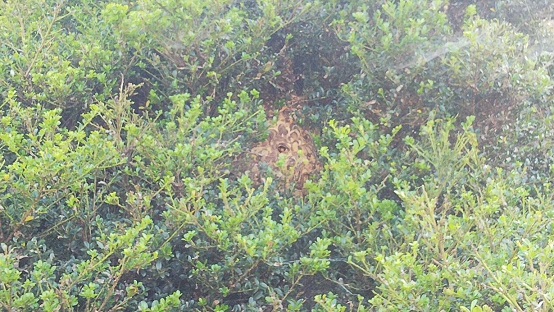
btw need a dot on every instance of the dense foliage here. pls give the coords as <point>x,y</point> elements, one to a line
<point>125,125</point>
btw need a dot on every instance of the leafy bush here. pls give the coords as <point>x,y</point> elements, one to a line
<point>410,70</point>
<point>475,222</point>
<point>58,55</point>
<point>125,129</point>
<point>396,43</point>
<point>210,48</point>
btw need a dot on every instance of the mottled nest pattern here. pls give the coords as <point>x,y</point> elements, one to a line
<point>289,151</point>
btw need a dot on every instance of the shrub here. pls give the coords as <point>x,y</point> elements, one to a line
<point>409,71</point>
<point>125,129</point>
<point>71,187</point>
<point>58,55</point>
<point>210,48</point>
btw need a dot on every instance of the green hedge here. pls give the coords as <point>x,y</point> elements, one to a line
<point>125,129</point>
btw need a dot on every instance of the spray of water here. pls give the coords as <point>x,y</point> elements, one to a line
<point>540,45</point>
